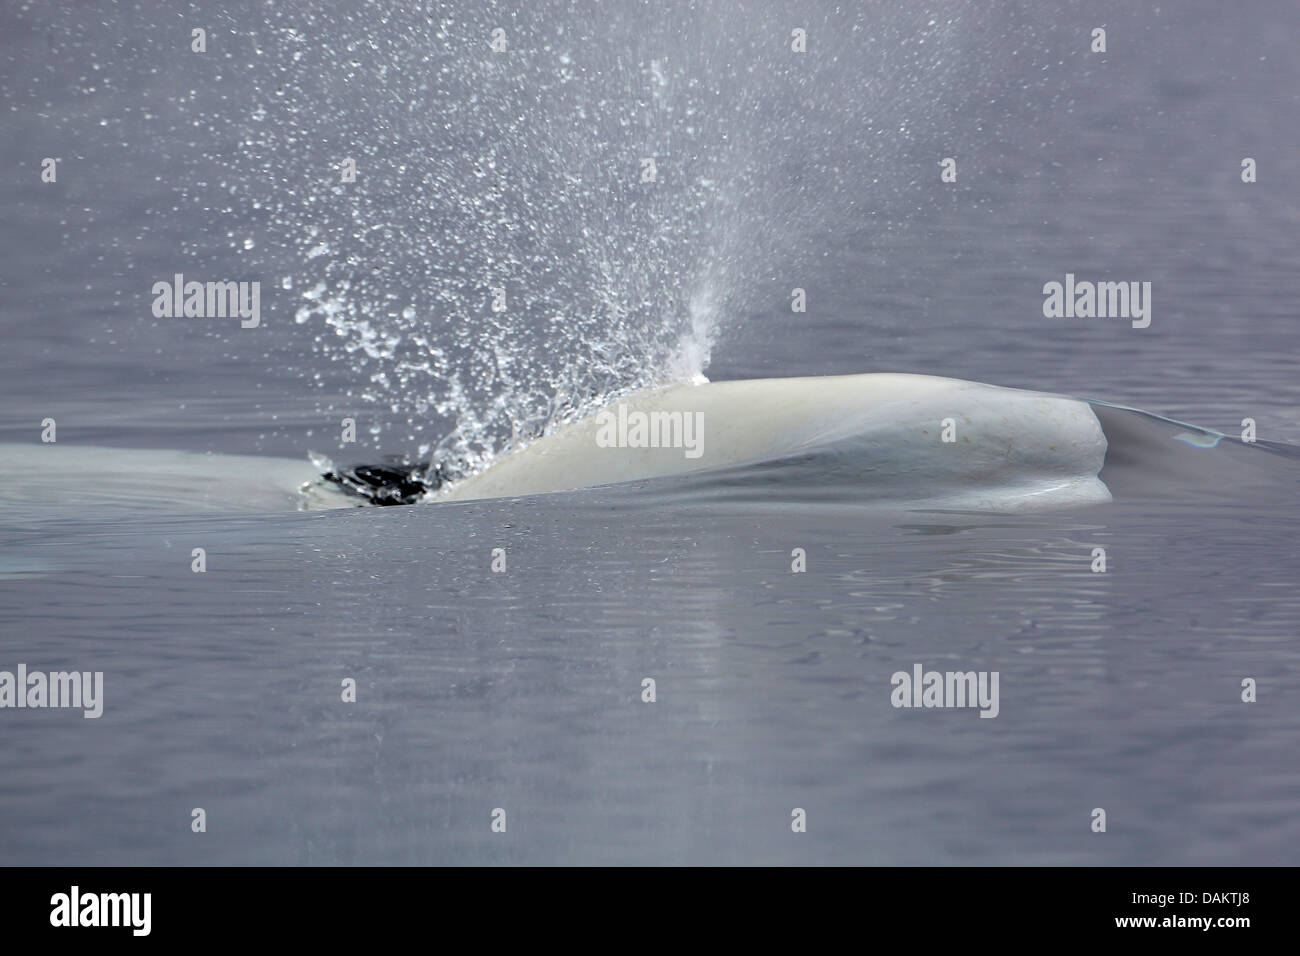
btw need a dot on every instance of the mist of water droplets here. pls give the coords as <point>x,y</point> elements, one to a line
<point>522,170</point>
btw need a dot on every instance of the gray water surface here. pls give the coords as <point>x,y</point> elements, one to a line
<point>522,690</point>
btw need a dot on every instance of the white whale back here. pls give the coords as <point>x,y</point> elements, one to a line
<point>878,436</point>
<point>845,439</point>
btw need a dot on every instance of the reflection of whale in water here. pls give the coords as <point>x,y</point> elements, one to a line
<point>845,440</point>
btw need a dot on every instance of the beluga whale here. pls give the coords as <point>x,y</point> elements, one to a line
<point>913,442</point>
<point>856,438</point>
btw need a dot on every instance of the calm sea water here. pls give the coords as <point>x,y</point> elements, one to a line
<point>523,690</point>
